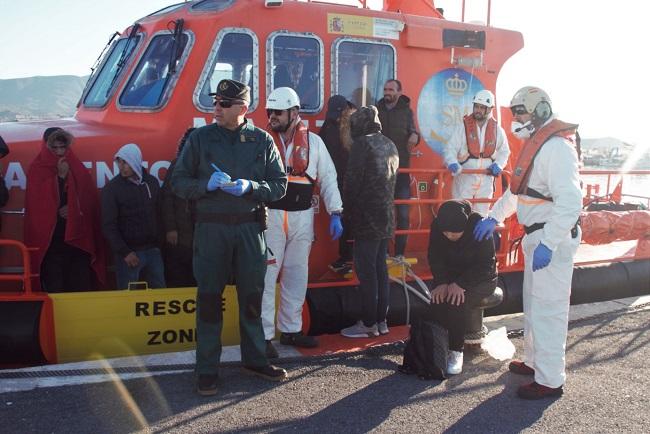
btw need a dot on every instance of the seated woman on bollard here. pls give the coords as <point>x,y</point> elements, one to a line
<point>464,273</point>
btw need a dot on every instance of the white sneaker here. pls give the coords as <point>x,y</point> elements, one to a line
<point>382,327</point>
<point>455,362</point>
<point>359,330</point>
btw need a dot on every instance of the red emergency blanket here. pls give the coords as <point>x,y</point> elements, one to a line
<point>83,228</point>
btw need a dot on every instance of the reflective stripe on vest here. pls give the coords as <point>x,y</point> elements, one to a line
<point>532,146</point>
<point>473,143</point>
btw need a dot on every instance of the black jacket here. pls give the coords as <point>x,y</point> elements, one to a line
<point>129,214</point>
<point>370,178</point>
<point>466,262</point>
<point>397,124</point>
<point>177,214</point>
<point>331,134</point>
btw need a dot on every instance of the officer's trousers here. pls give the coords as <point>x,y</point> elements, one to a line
<point>220,251</point>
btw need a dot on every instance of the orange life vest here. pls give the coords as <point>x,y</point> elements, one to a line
<point>532,146</point>
<point>473,144</point>
<point>300,187</point>
<point>298,161</point>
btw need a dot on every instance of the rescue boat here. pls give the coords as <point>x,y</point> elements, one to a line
<point>153,81</point>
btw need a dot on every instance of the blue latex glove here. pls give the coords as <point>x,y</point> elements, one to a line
<point>495,169</point>
<point>336,228</point>
<point>241,186</point>
<point>454,168</point>
<point>217,179</point>
<point>541,257</point>
<point>484,229</point>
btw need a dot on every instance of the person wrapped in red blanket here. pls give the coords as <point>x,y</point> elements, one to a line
<point>62,219</point>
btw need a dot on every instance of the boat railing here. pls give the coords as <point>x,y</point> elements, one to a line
<point>509,257</point>
<point>26,275</point>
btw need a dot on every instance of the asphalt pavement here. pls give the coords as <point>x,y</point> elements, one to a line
<point>607,390</point>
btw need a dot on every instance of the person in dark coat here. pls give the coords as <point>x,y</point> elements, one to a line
<point>398,124</point>
<point>369,187</point>
<point>464,272</point>
<point>335,133</point>
<point>130,221</point>
<point>178,225</point>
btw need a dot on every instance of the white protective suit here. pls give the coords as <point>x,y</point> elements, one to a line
<point>546,292</point>
<point>289,236</point>
<point>470,186</point>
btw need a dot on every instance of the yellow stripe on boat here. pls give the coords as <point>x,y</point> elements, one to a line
<point>101,324</point>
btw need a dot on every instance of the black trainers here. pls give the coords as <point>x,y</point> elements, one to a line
<point>268,372</point>
<point>340,266</point>
<point>298,340</point>
<point>271,352</point>
<point>206,384</point>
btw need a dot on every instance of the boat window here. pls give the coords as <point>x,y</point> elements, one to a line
<point>362,68</point>
<point>296,62</point>
<point>106,80</point>
<point>235,60</point>
<point>167,9</point>
<point>151,77</point>
<point>212,5</point>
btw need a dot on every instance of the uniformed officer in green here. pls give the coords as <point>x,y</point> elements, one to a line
<point>230,168</point>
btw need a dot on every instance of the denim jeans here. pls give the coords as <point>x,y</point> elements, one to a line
<point>370,266</point>
<point>402,191</point>
<point>150,269</point>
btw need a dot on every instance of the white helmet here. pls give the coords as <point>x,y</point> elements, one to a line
<point>484,97</point>
<point>283,98</point>
<point>534,101</point>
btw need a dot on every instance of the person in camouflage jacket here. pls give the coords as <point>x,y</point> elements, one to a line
<point>369,187</point>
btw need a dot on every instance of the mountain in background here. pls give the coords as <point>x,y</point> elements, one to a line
<point>40,97</point>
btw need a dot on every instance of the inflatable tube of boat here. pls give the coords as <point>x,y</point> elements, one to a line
<point>333,308</point>
<point>20,332</point>
<point>589,285</point>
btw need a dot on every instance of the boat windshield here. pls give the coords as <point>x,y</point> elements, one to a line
<point>212,5</point>
<point>104,84</point>
<point>234,60</point>
<point>362,68</point>
<point>150,79</point>
<point>297,64</point>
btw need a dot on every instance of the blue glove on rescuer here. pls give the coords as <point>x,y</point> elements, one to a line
<point>541,257</point>
<point>217,179</point>
<point>241,186</point>
<point>495,169</point>
<point>454,168</point>
<point>336,228</point>
<point>484,229</point>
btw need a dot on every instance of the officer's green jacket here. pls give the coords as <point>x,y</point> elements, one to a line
<point>246,153</point>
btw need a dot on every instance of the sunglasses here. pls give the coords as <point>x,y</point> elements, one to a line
<point>269,112</point>
<point>518,110</point>
<point>227,103</point>
<point>59,147</point>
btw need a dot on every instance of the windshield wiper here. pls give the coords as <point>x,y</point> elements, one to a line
<point>123,55</point>
<point>176,50</point>
<point>94,67</point>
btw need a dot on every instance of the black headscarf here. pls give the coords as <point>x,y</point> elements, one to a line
<point>453,215</point>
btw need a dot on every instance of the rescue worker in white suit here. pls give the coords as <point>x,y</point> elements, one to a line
<point>480,143</point>
<point>546,194</point>
<point>291,219</point>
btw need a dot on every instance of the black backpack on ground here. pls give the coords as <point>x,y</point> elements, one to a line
<point>426,351</point>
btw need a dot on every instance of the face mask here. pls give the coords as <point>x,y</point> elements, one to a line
<point>522,131</point>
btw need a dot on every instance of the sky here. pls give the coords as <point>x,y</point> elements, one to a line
<point>587,55</point>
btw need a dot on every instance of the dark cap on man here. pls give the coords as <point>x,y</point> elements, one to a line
<point>232,90</point>
<point>453,216</point>
<point>336,105</point>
